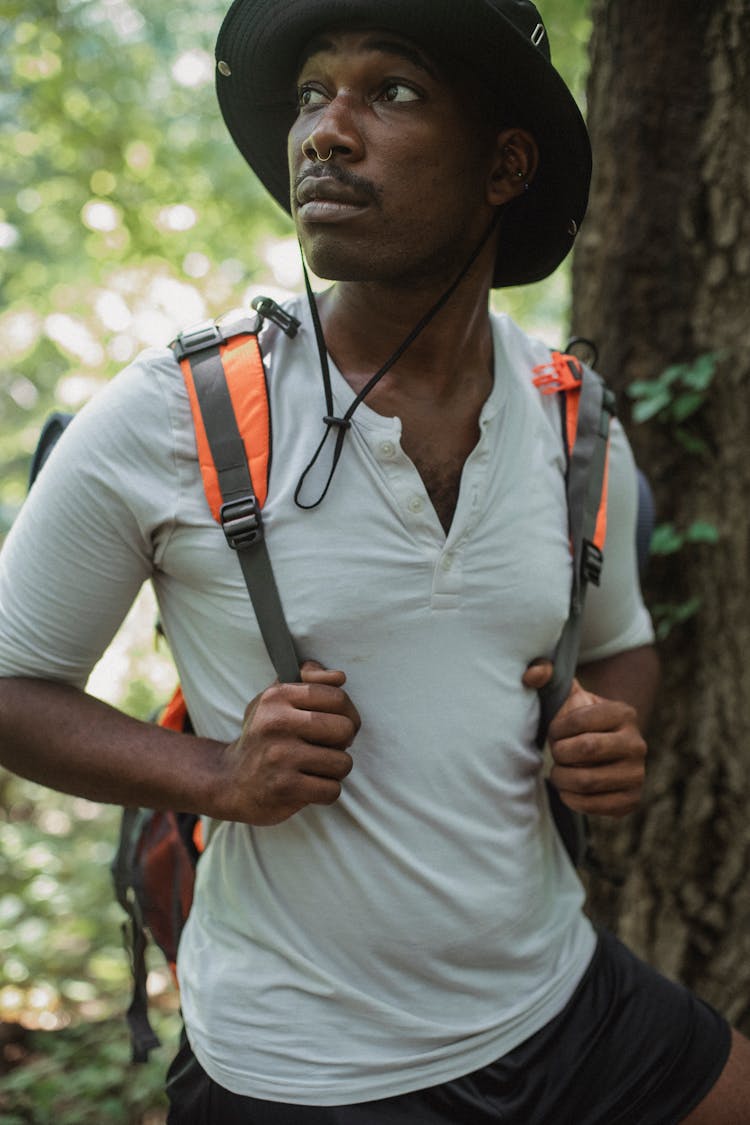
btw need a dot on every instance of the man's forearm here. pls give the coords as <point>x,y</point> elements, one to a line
<point>632,677</point>
<point>58,736</point>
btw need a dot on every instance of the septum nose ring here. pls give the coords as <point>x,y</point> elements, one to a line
<point>310,151</point>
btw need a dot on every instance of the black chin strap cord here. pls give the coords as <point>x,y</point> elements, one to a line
<point>341,425</point>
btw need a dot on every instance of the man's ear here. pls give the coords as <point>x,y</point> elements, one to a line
<point>514,167</point>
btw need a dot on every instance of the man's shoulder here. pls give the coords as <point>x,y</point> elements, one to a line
<point>133,417</point>
<point>149,373</point>
<point>518,358</point>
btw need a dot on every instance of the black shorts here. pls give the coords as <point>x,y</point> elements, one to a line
<point>630,1048</point>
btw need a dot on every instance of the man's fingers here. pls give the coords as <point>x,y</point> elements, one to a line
<point>578,697</point>
<point>282,700</point>
<point>314,673</point>
<point>324,729</point>
<point>293,750</point>
<point>538,674</point>
<point>287,777</point>
<point>600,748</point>
<point>318,761</point>
<point>615,804</point>
<point>310,774</point>
<point>601,716</point>
<point>599,755</point>
<point>319,719</point>
<point>290,793</point>
<point>321,791</point>
<point>598,780</point>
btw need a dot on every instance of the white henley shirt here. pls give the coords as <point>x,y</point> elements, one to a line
<point>429,921</point>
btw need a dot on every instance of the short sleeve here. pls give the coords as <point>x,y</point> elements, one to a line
<point>87,536</point>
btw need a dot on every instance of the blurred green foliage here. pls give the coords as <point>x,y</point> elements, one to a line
<point>83,1076</point>
<point>125,214</point>
<point>124,208</point>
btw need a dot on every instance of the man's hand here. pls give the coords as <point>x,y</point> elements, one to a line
<point>599,754</point>
<point>292,752</point>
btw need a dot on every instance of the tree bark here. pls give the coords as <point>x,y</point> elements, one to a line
<point>662,277</point>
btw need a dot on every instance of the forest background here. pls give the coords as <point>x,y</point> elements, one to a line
<point>127,214</point>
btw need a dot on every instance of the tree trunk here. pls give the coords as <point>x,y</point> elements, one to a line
<point>662,277</point>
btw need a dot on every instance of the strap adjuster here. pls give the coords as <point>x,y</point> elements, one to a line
<point>208,334</point>
<point>241,522</point>
<point>592,561</point>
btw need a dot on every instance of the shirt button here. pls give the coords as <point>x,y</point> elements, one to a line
<point>448,562</point>
<point>387,448</point>
<point>416,504</point>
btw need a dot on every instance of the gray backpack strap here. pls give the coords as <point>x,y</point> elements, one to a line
<point>241,518</point>
<point>584,487</point>
<point>587,464</point>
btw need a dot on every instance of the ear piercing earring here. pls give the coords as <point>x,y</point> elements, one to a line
<point>521,176</point>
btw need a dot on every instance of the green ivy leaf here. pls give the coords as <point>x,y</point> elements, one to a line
<point>691,443</point>
<point>671,374</point>
<point>641,388</point>
<point>670,614</point>
<point>649,407</point>
<point>700,375</point>
<point>645,388</point>
<point>702,532</point>
<point>666,540</point>
<point>687,404</point>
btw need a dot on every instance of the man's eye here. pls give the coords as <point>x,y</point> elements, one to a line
<point>399,92</point>
<point>309,96</point>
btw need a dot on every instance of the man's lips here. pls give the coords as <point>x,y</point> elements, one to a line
<point>317,189</point>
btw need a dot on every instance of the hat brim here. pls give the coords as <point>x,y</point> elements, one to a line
<point>260,44</point>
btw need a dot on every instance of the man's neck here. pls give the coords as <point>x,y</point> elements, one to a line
<point>365,323</point>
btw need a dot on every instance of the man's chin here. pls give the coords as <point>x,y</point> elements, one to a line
<point>333,266</point>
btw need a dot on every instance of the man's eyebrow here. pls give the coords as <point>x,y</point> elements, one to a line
<point>377,42</point>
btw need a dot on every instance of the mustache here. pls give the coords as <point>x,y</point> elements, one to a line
<point>340,175</point>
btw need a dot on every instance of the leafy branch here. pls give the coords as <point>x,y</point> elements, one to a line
<point>669,614</point>
<point>667,540</point>
<point>675,397</point>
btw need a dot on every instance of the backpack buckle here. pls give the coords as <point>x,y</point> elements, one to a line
<point>241,522</point>
<point>197,339</point>
<point>208,334</point>
<point>562,373</point>
<point>592,561</point>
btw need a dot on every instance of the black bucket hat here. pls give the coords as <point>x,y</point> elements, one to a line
<point>503,42</point>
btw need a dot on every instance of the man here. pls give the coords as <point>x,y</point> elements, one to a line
<point>386,927</point>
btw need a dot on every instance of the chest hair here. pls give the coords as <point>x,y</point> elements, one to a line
<point>438,441</point>
<point>440,465</point>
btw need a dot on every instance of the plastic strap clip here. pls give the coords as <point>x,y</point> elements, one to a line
<point>241,522</point>
<point>592,561</point>
<point>268,309</point>
<point>198,339</point>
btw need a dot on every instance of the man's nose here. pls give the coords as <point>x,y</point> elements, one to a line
<point>336,131</point>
